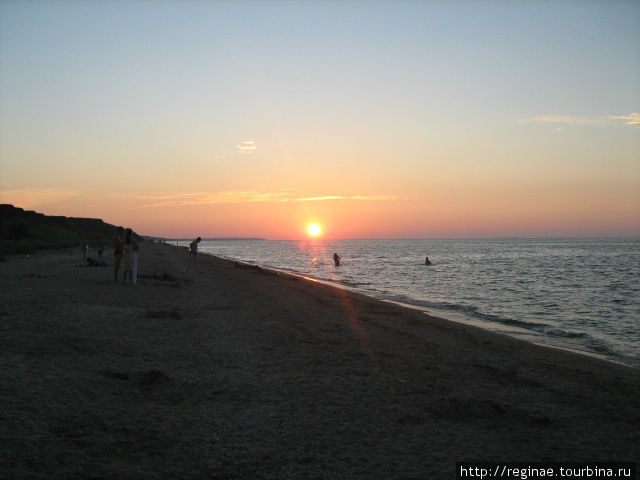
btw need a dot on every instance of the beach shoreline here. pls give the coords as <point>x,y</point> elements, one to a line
<point>518,287</point>
<point>490,327</point>
<point>247,372</point>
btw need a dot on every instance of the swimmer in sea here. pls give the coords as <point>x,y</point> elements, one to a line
<point>427,261</point>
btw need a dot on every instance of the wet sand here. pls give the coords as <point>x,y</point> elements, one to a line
<point>238,372</point>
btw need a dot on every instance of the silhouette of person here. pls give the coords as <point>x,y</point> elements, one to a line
<point>193,254</point>
<point>118,247</point>
<point>84,247</point>
<point>427,261</point>
<point>336,259</point>
<point>130,256</point>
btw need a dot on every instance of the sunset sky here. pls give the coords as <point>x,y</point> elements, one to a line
<point>384,119</point>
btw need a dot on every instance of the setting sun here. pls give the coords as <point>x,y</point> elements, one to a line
<point>314,230</point>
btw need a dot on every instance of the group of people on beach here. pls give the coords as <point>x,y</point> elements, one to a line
<point>125,252</point>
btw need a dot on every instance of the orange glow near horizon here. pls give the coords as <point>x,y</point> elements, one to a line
<point>455,212</point>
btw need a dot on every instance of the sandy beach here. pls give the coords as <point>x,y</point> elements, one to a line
<point>240,372</point>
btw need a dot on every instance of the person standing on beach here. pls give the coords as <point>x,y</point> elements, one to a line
<point>134,272</point>
<point>118,246</point>
<point>84,246</point>
<point>129,254</point>
<point>193,254</point>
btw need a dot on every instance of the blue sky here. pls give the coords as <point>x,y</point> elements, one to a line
<point>393,95</point>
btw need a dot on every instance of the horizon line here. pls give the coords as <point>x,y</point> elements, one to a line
<point>511,237</point>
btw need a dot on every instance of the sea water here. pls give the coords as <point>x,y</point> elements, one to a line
<point>582,294</point>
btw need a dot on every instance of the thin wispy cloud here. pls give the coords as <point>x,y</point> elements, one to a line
<point>346,197</point>
<point>248,146</point>
<point>178,196</point>
<point>250,196</point>
<point>607,120</point>
<point>631,119</point>
<point>562,119</point>
<point>209,198</point>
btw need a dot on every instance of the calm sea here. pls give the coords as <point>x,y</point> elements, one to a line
<point>582,294</point>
